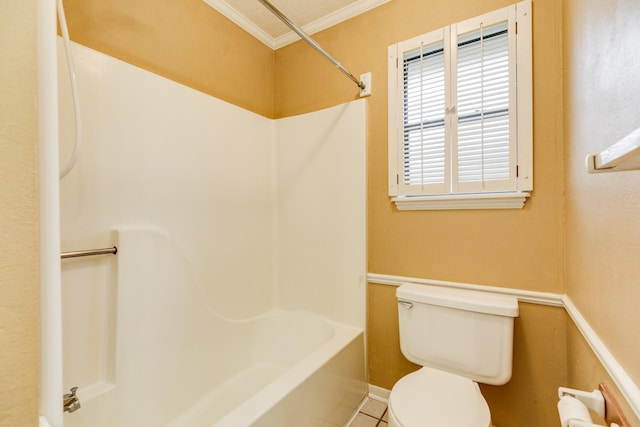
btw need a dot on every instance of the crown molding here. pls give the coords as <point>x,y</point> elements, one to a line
<point>334,18</point>
<point>320,24</point>
<point>242,21</point>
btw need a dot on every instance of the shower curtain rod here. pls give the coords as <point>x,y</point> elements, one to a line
<point>310,41</point>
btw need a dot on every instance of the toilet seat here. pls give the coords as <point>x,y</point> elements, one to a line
<point>433,398</point>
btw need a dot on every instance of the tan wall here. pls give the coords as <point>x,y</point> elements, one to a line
<point>19,288</point>
<point>192,44</point>
<point>515,248</point>
<point>512,248</point>
<point>602,89</point>
<point>539,367</point>
<point>453,245</point>
<point>585,372</point>
<point>186,41</point>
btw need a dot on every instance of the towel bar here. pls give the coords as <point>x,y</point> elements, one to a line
<point>90,252</point>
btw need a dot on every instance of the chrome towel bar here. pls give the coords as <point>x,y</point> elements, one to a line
<point>90,252</point>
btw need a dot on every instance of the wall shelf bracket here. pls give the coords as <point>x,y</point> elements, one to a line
<point>622,156</point>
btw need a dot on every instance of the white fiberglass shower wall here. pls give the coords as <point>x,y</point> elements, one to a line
<point>263,214</point>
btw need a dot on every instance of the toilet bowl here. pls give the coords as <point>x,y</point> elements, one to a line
<point>459,337</point>
<point>433,398</point>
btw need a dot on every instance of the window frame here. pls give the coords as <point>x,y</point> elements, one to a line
<point>453,195</point>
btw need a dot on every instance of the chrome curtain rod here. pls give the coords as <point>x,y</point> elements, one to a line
<point>310,41</point>
<point>90,252</point>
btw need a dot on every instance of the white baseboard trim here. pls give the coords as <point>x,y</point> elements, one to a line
<point>378,393</point>
<point>628,388</point>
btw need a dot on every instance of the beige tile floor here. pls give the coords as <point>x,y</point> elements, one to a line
<point>372,413</point>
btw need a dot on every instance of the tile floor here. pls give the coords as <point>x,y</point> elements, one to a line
<point>372,413</point>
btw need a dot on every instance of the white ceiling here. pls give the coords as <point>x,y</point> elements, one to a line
<point>311,15</point>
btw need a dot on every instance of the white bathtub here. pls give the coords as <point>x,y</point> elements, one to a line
<point>304,370</point>
<point>172,361</point>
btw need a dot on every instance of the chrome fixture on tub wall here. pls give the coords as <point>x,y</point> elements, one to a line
<point>70,401</point>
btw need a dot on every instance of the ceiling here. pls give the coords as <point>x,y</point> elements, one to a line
<point>311,15</point>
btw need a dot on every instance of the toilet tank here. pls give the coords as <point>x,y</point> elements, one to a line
<point>468,333</point>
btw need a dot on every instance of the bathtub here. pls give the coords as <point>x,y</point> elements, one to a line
<point>305,370</point>
<point>170,360</point>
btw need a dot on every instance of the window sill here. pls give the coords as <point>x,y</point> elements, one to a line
<point>513,200</point>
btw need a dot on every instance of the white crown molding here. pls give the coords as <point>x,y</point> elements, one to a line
<point>242,21</point>
<point>334,18</point>
<point>325,22</point>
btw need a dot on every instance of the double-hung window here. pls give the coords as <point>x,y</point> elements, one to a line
<point>460,114</point>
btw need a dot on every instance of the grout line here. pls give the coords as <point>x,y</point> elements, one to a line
<point>380,421</point>
<point>371,416</point>
<point>363,402</point>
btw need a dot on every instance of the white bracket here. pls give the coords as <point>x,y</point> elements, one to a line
<point>366,80</point>
<point>621,156</point>
<point>593,400</point>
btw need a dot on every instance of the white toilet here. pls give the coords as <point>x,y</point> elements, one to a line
<point>460,337</point>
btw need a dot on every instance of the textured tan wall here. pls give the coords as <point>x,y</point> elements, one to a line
<point>454,245</point>
<point>19,288</point>
<point>602,89</point>
<point>192,44</point>
<point>515,248</point>
<point>186,41</point>
<point>510,248</point>
<point>539,367</point>
<point>585,372</point>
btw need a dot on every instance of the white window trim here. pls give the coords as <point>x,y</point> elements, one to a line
<point>524,129</point>
<point>507,200</point>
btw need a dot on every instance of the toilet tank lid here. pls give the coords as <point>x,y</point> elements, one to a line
<point>462,299</point>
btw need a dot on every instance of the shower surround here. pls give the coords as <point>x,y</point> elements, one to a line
<point>238,290</point>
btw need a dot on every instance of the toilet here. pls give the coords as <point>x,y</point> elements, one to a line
<point>460,337</point>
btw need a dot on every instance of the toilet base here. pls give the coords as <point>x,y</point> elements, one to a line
<point>393,422</point>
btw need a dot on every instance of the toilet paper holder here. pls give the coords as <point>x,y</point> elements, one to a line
<point>602,401</point>
<point>593,400</point>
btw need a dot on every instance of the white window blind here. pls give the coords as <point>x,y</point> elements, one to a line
<point>424,116</point>
<point>483,138</point>
<point>454,101</point>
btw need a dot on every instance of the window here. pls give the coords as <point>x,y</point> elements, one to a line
<point>460,114</point>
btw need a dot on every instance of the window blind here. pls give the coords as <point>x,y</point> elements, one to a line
<point>482,152</point>
<point>480,142</point>
<point>423,112</point>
